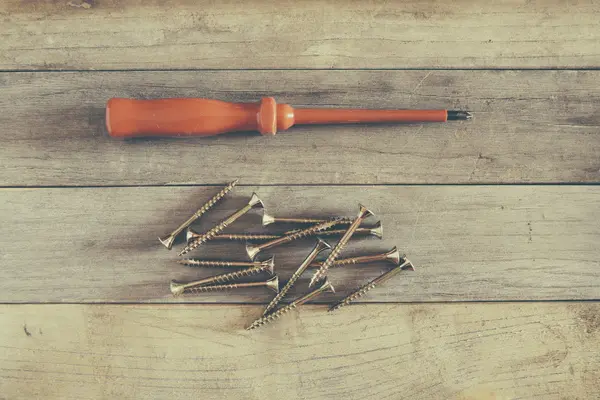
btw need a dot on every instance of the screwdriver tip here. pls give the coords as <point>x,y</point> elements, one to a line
<point>459,115</point>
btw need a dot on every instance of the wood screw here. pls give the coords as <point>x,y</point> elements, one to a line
<point>169,239</point>
<point>406,265</point>
<point>254,200</point>
<point>272,283</point>
<point>327,286</point>
<point>322,272</point>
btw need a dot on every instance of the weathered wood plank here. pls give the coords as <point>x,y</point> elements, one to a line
<point>86,34</point>
<point>441,351</point>
<point>467,242</point>
<point>529,126</point>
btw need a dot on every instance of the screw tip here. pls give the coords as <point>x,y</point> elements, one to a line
<point>184,251</point>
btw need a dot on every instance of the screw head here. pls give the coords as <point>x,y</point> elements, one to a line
<point>177,288</point>
<point>273,284</point>
<point>252,250</point>
<point>269,265</point>
<point>167,241</point>
<point>267,219</point>
<point>365,211</point>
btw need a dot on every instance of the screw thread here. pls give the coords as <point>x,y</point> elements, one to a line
<point>209,263</point>
<point>169,239</point>
<point>238,274</point>
<point>308,231</point>
<point>289,237</point>
<point>340,220</point>
<point>353,296</point>
<point>205,237</point>
<point>246,236</point>
<point>352,261</point>
<point>272,317</point>
<point>330,259</point>
<point>212,288</point>
<point>311,231</point>
<point>321,272</point>
<point>346,261</point>
<point>210,203</point>
<point>215,230</point>
<point>281,293</point>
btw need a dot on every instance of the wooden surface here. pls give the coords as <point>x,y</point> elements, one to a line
<point>441,351</point>
<point>529,126</point>
<point>467,242</point>
<point>503,209</point>
<point>87,34</point>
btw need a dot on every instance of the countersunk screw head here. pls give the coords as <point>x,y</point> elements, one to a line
<point>267,219</point>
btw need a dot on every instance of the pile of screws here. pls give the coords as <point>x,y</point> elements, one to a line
<point>320,227</point>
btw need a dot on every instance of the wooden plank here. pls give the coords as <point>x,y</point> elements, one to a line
<point>86,34</point>
<point>467,242</point>
<point>437,351</point>
<point>529,126</point>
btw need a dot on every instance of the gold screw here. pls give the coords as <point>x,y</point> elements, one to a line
<point>272,283</point>
<point>179,287</point>
<point>169,239</point>
<point>253,250</point>
<point>320,274</point>
<point>191,235</point>
<point>191,262</point>
<point>319,247</point>
<point>392,256</point>
<point>327,286</point>
<point>376,230</point>
<point>269,219</point>
<point>254,200</point>
<point>406,265</point>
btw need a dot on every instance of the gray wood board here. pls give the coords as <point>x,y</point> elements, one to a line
<point>421,352</point>
<point>467,242</point>
<point>86,34</point>
<point>528,126</point>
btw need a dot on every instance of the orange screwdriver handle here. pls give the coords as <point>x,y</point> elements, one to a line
<point>128,118</point>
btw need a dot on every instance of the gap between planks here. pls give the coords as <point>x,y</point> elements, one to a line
<point>296,69</point>
<point>316,185</point>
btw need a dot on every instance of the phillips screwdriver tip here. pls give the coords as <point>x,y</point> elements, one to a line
<point>459,115</point>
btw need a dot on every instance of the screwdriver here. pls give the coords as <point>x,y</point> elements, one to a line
<point>130,118</point>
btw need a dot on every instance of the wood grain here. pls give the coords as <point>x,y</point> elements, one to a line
<point>87,34</point>
<point>467,242</point>
<point>529,126</point>
<point>450,352</point>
